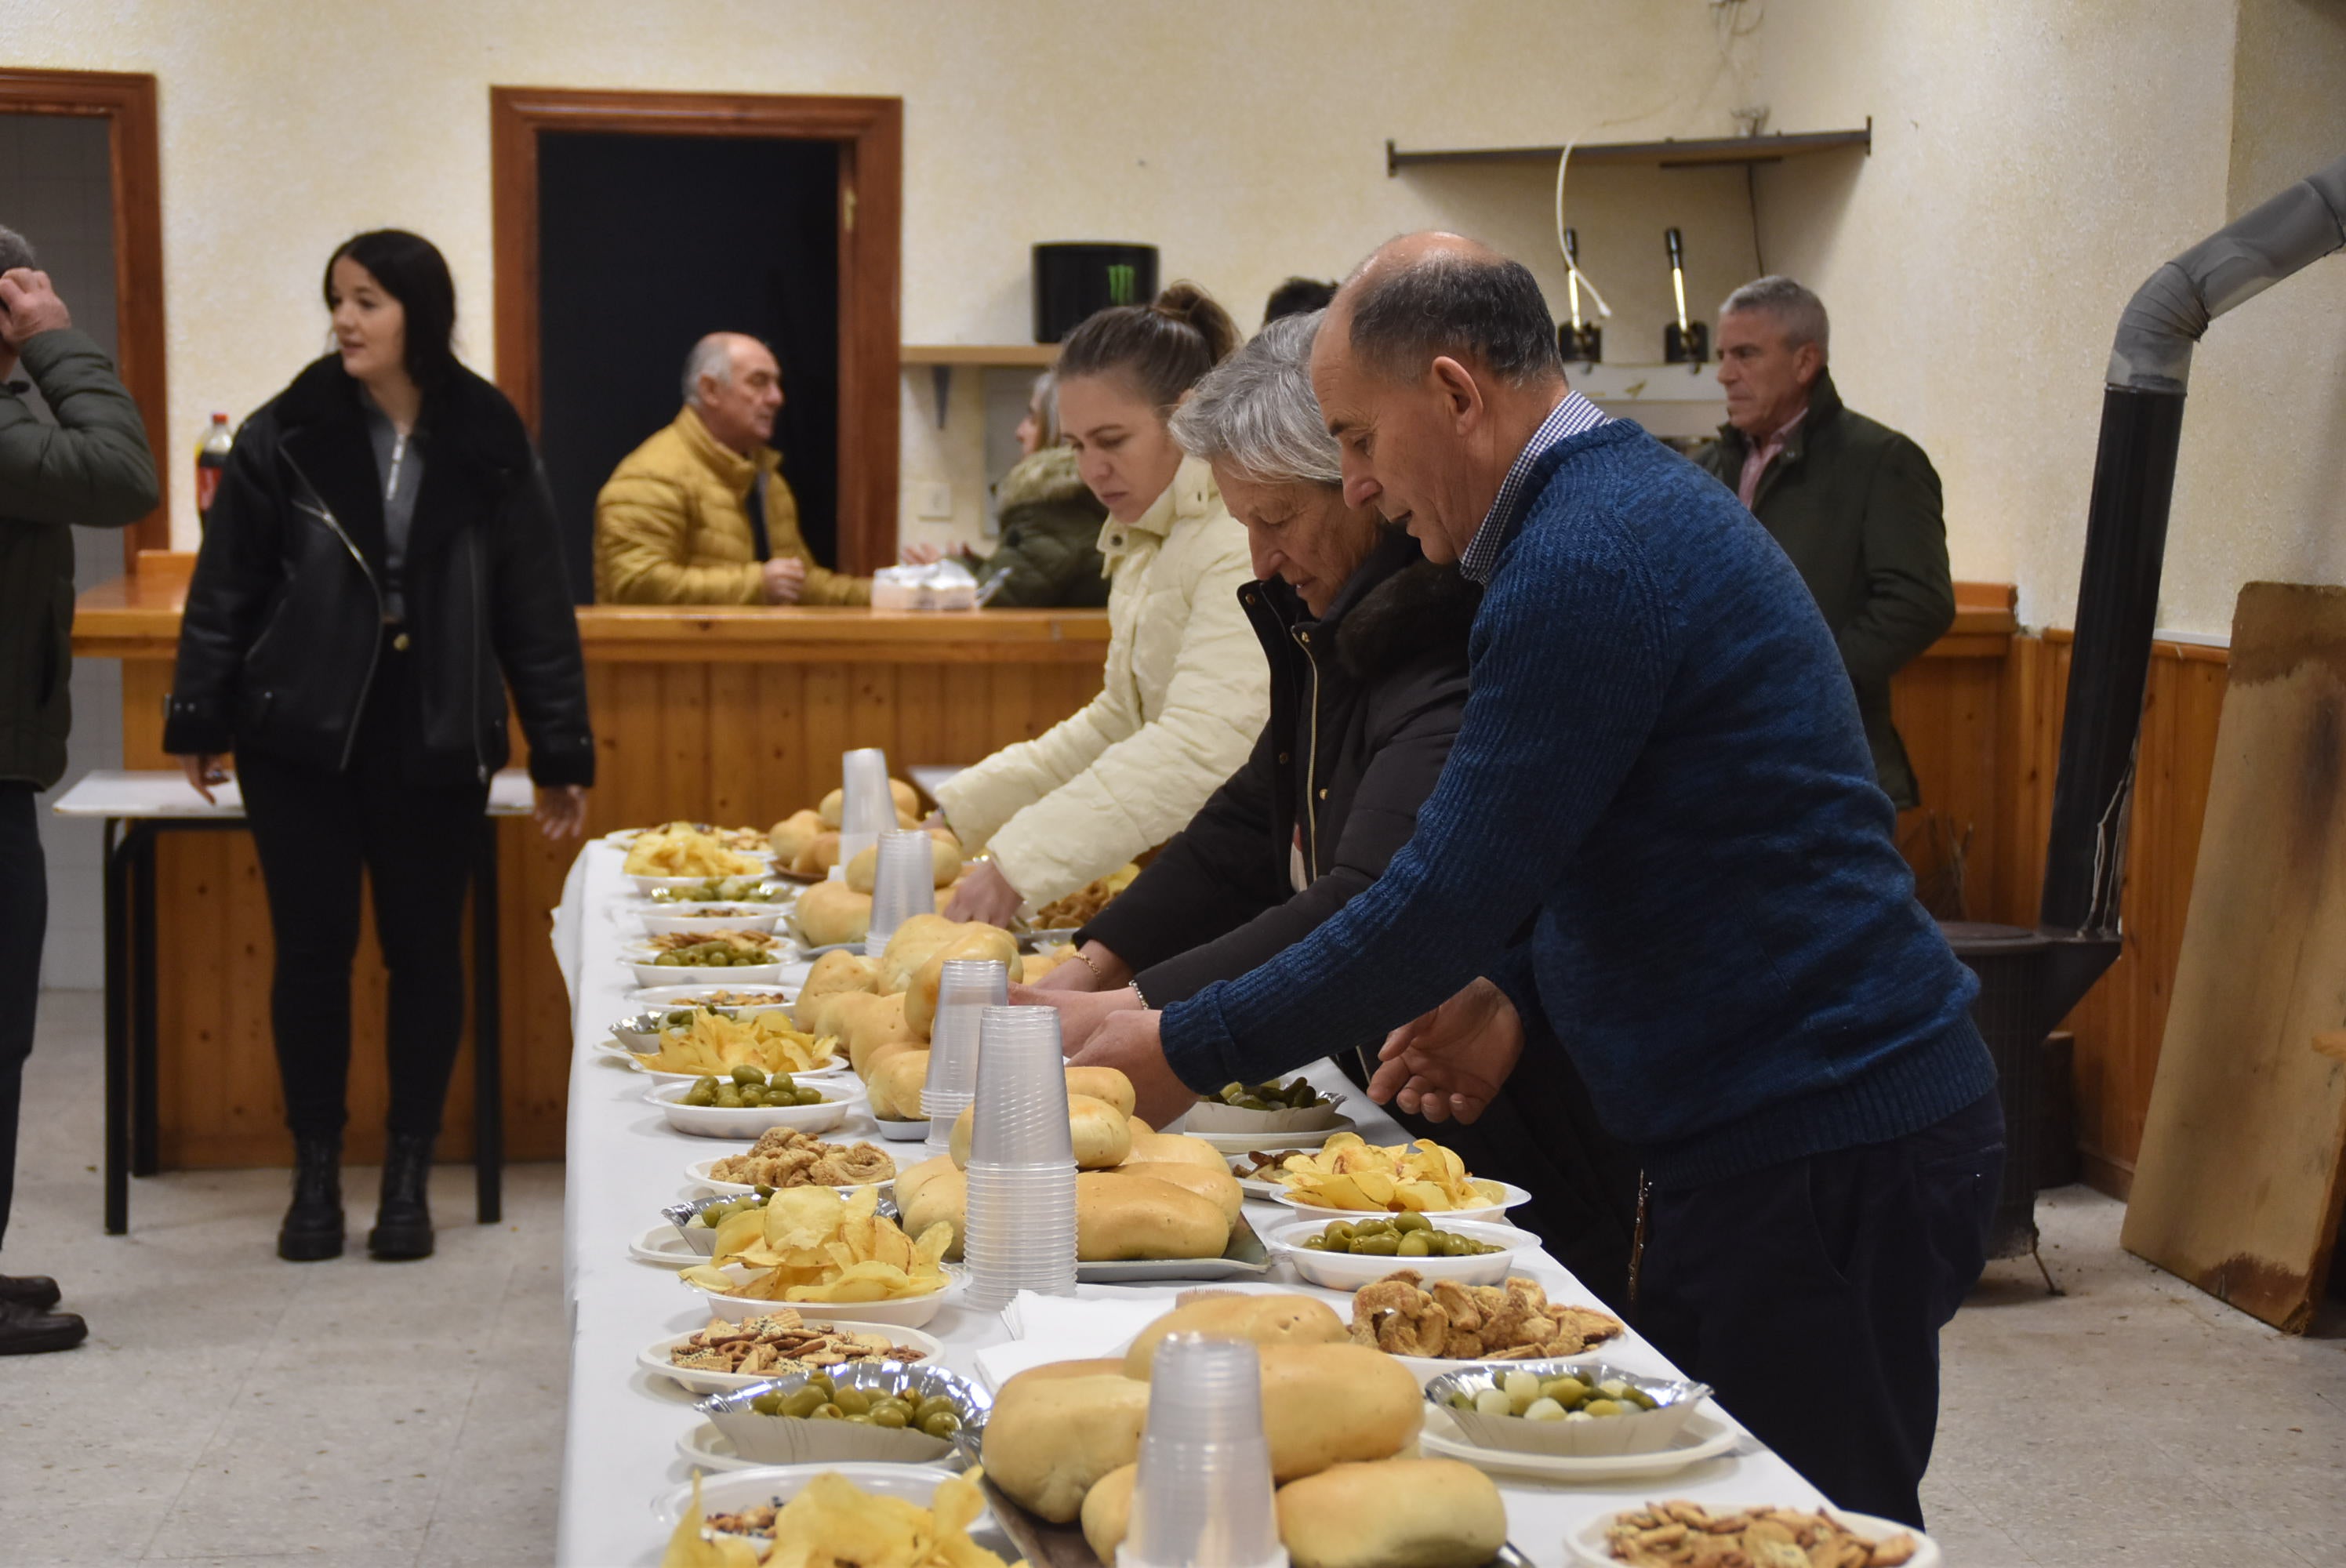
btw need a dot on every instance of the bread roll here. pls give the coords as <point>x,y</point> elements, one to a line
<point>877,1057</point>
<point>944,865</point>
<point>1034,966</point>
<point>910,947</point>
<point>1138,1126</point>
<point>1217,1187</point>
<point>907,799</point>
<point>910,1181</point>
<point>1147,1146</point>
<point>866,1022</point>
<point>830,811</point>
<point>1098,1133</point>
<point>973,940</point>
<point>790,837</point>
<point>832,912</point>
<point>938,1200</point>
<point>1048,1440</point>
<point>1263,1319</point>
<point>1334,1404</point>
<point>1104,1083</point>
<point>833,971</point>
<point>896,1085</point>
<point>822,853</point>
<point>1392,1513</point>
<point>1098,1367</point>
<point>1107,1511</point>
<point>1120,1216</point>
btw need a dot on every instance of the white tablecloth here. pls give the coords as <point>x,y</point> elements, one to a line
<point>624,1163</point>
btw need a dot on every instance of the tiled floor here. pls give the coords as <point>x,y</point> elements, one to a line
<point>232,1409</point>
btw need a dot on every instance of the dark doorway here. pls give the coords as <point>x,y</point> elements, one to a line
<point>645,244</point>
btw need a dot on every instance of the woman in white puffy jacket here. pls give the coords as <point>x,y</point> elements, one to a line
<point>1186,691</point>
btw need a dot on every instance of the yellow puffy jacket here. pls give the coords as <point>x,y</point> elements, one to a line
<point>670,526</point>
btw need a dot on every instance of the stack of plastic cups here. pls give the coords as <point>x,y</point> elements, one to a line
<point>866,808</point>
<point>904,885</point>
<point>1203,1497</point>
<point>1019,1231</point>
<point>968,987</point>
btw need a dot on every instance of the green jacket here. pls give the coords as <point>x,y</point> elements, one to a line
<point>1856,505</point>
<point>92,468</point>
<point>1050,537</point>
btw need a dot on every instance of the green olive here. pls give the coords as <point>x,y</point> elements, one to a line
<point>1411,1222</point>
<point>1338,1230</point>
<point>802,1403</point>
<point>943,1424</point>
<point>1605,1407</point>
<point>1314,1244</point>
<point>1385,1246</point>
<point>892,1417</point>
<point>745,1074</point>
<point>828,1412</point>
<point>854,1401</point>
<point>1414,1245</point>
<point>767,1404</point>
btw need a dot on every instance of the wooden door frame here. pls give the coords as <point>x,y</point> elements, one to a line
<point>870,132</point>
<point>126,100</point>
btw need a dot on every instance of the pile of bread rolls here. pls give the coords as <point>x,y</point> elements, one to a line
<point>806,843</point>
<point>1063,1441</point>
<point>1139,1194</point>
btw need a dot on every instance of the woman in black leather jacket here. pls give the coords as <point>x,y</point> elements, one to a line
<point>377,568</point>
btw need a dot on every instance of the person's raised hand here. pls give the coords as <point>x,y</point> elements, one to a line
<point>203,771</point>
<point>920,554</point>
<point>784,580</point>
<point>1131,1043</point>
<point>561,811</point>
<point>1081,1013</point>
<point>31,306</point>
<point>983,894</point>
<point>1451,1062</point>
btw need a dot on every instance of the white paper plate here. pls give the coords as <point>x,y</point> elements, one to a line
<point>1510,1196</point>
<point>803,951</point>
<point>901,1132</point>
<point>822,1077</point>
<point>663,1244</point>
<point>697,1171</point>
<point>1248,1143</point>
<point>685,995</point>
<point>653,1358</point>
<point>749,1121</point>
<point>660,977</point>
<point>1349,1271</point>
<point>746,1485</point>
<point>1245,1258</point>
<point>1588,1546</point>
<point>672,919</point>
<point>908,1312</point>
<point>647,886</point>
<point>1705,1437</point>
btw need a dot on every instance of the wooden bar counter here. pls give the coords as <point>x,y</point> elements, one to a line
<point>729,715</point>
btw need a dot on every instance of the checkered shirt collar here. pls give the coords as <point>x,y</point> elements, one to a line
<point>1569,418</point>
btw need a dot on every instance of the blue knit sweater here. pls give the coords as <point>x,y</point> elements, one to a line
<point>1661,763</point>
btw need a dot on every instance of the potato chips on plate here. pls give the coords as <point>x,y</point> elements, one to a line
<point>810,1245</point>
<point>1349,1174</point>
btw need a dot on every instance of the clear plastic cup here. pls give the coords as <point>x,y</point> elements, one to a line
<point>904,885</point>
<point>1019,1229</point>
<point>1203,1497</point>
<point>968,987</point>
<point>866,809</point>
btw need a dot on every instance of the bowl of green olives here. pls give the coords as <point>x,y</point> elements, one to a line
<point>1264,1109</point>
<point>1346,1254</point>
<point>1576,1408</point>
<point>861,1410</point>
<point>746,1102</point>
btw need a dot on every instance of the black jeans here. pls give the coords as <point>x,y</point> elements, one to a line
<point>24,920</point>
<point>1811,1294</point>
<point>415,839</point>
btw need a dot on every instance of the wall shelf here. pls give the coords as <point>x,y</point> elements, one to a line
<point>1040,356</point>
<point>1703,153</point>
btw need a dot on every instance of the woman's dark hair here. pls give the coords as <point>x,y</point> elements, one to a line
<point>1164,347</point>
<point>412,271</point>
<point>1297,296</point>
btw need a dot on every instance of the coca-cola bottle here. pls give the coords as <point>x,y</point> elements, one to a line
<point>211,457</point>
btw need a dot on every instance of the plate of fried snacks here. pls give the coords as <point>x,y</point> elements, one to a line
<point>1704,1437</point>
<point>784,1158</point>
<point>1346,1254</point>
<point>1582,1409</point>
<point>1435,1328</point>
<point>1351,1177</point>
<point>735,1353</point>
<point>712,1044</point>
<point>707,919</point>
<point>746,1103</point>
<point>903,1413</point>
<point>1685,1534</point>
<point>680,855</point>
<point>808,1244</point>
<point>749,840</point>
<point>1065,914</point>
<point>728,999</point>
<point>902,1516</point>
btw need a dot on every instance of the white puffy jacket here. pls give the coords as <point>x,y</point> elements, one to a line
<point>1185,695</point>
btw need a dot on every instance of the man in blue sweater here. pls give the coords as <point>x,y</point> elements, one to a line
<point>1661,769</point>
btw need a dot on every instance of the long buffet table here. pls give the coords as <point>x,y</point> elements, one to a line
<point>624,1163</point>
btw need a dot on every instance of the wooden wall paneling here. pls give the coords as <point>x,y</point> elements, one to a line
<point>779,726</point>
<point>961,734</point>
<point>825,727</point>
<point>1947,711</point>
<point>738,790</point>
<point>685,791</point>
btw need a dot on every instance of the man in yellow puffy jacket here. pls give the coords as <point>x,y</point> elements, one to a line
<point>700,515</point>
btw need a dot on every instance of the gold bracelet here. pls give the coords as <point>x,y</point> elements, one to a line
<point>1085,959</point>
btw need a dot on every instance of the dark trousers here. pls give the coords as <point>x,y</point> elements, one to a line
<point>1810,1295</point>
<point>24,920</point>
<point>315,831</point>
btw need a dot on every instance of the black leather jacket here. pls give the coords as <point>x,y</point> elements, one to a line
<point>282,627</point>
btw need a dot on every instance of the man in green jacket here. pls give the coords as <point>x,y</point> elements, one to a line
<point>1853,501</point>
<point>90,468</point>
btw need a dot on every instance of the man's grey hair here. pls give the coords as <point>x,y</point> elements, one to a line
<point>1795,307</point>
<point>1481,309</point>
<point>711,357</point>
<point>1256,412</point>
<point>15,251</point>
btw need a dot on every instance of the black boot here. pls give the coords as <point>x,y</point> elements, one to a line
<point>402,1224</point>
<point>28,1330</point>
<point>313,1225</point>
